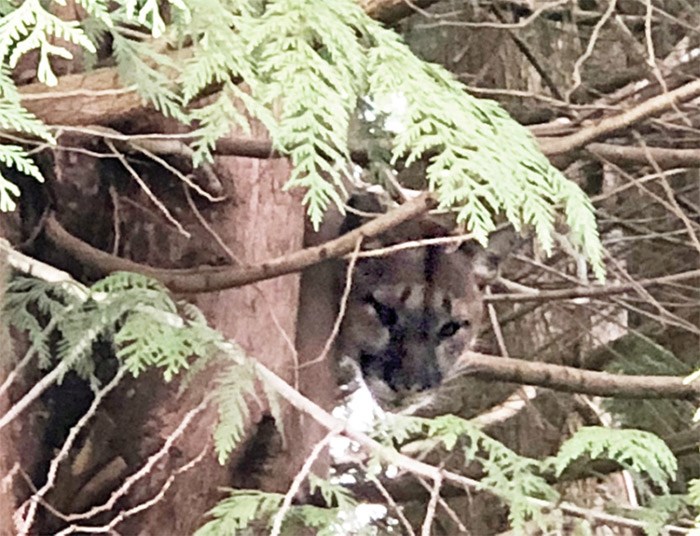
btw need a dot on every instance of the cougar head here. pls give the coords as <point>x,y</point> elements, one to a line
<point>410,314</point>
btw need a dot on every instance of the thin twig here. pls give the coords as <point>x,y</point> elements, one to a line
<point>647,296</point>
<point>33,394</point>
<point>14,373</point>
<point>413,244</point>
<point>35,268</point>
<point>211,176</point>
<point>147,467</point>
<point>341,311</point>
<point>611,125</point>
<point>601,291</point>
<point>125,514</point>
<point>33,501</point>
<point>446,507</point>
<point>398,510</point>
<point>589,48</point>
<point>495,325</point>
<point>432,505</point>
<point>299,480</point>
<point>149,193</point>
<point>116,224</point>
<point>497,25</point>
<point>530,55</point>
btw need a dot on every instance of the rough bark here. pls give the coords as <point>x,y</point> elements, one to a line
<point>8,445</point>
<point>19,443</point>
<point>250,225</point>
<point>257,221</point>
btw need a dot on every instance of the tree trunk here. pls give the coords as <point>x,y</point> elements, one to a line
<point>145,418</point>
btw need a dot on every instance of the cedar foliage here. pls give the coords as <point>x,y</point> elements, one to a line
<point>149,329</point>
<point>305,65</point>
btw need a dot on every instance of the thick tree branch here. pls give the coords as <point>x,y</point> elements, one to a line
<point>90,98</point>
<point>619,154</point>
<point>590,292</point>
<point>611,125</point>
<point>419,468</point>
<point>391,11</point>
<point>664,157</point>
<point>96,98</point>
<point>209,279</point>
<point>574,380</point>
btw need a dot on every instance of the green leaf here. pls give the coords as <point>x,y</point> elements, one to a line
<point>642,452</point>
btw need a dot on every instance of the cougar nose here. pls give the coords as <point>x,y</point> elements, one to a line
<point>430,377</point>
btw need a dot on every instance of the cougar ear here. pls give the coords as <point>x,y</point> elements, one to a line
<point>365,202</point>
<point>486,262</point>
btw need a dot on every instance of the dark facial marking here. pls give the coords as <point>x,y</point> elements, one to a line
<point>387,315</point>
<point>448,329</point>
<point>447,304</point>
<point>386,366</point>
<point>430,263</point>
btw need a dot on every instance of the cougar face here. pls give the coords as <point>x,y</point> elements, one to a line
<point>408,318</point>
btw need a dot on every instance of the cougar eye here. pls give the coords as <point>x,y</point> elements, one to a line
<point>387,315</point>
<point>450,328</point>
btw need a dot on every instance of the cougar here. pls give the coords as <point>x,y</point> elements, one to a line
<point>411,313</point>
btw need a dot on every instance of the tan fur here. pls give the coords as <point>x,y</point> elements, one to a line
<point>410,315</point>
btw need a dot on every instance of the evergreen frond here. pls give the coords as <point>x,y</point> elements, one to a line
<point>305,66</point>
<point>14,117</point>
<point>30,27</point>
<point>639,451</point>
<point>514,478</point>
<point>659,511</point>
<point>215,120</point>
<point>148,13</point>
<point>249,509</point>
<point>324,520</point>
<point>333,494</point>
<point>99,9</point>
<point>6,6</point>
<point>151,72</point>
<point>239,510</point>
<point>151,332</point>
<point>312,70</point>
<point>464,138</point>
<point>234,384</point>
<point>38,309</point>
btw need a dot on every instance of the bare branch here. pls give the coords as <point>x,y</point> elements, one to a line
<point>589,292</point>
<point>419,468</point>
<point>298,481</point>
<point>125,514</point>
<point>149,193</point>
<point>589,48</point>
<point>574,380</point>
<point>664,157</point>
<point>31,504</point>
<point>147,467</point>
<point>432,505</point>
<point>209,279</point>
<point>611,125</point>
